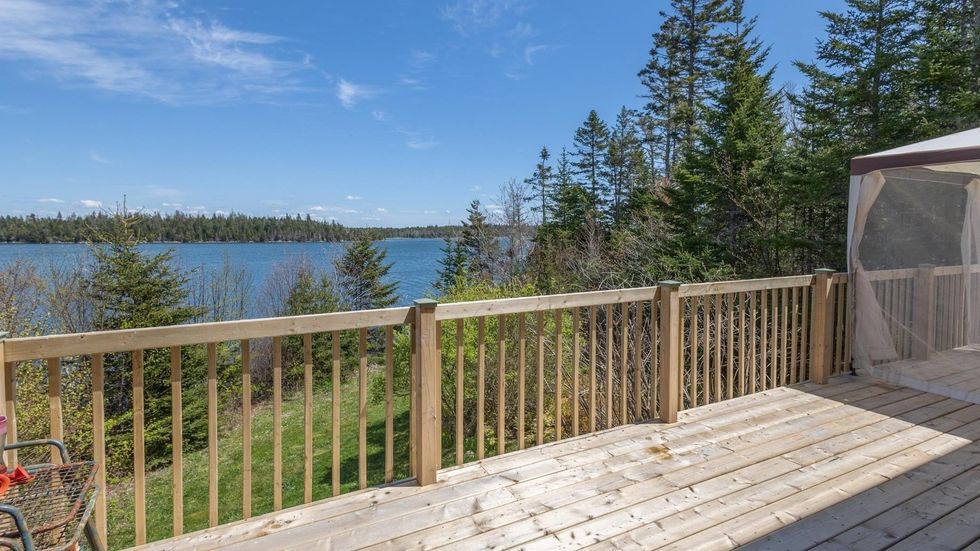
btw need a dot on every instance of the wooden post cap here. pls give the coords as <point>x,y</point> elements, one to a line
<point>426,302</point>
<point>823,271</point>
<point>669,283</point>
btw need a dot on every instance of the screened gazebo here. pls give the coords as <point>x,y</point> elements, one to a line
<point>914,259</point>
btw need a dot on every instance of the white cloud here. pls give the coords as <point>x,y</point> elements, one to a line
<point>98,157</point>
<point>469,16</point>
<point>531,49</point>
<point>172,205</point>
<point>475,188</point>
<point>421,58</point>
<point>410,82</point>
<point>521,29</point>
<point>221,212</point>
<point>354,197</point>
<point>379,115</point>
<point>430,212</point>
<point>317,208</point>
<point>90,203</point>
<point>158,50</point>
<point>426,143</point>
<point>349,93</point>
<point>50,200</point>
<point>381,210</point>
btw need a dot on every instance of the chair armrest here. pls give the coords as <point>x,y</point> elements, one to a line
<point>45,442</point>
<point>25,532</point>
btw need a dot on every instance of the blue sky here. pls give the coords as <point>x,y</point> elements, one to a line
<point>371,113</point>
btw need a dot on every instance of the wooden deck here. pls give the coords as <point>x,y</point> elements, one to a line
<point>851,465</point>
<point>953,373</point>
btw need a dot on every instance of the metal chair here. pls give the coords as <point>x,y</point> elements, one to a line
<point>54,509</point>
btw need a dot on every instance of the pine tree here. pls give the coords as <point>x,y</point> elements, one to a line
<point>591,146</point>
<point>541,181</point>
<point>625,162</point>
<point>479,244</point>
<point>362,272</point>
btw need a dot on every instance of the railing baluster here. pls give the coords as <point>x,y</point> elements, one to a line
<point>592,368</point>
<point>98,443</point>
<point>362,409</point>
<point>521,375</point>
<point>609,366</point>
<point>706,348</point>
<point>794,365</point>
<point>389,404</point>
<point>730,352</point>
<point>763,341</point>
<point>539,403</point>
<point>774,341</point>
<point>804,334</point>
<point>753,370</point>
<point>623,361</point>
<point>784,309</point>
<point>637,361</point>
<point>139,459</point>
<point>57,428</point>
<point>177,440</point>
<point>277,423</point>
<point>558,373</point>
<point>460,357</point>
<point>307,418</point>
<point>839,341</point>
<point>481,386</point>
<point>742,357</point>
<point>212,435</point>
<point>246,353</point>
<point>576,358</point>
<point>335,412</point>
<point>501,383</point>
<point>654,353</point>
<point>693,343</point>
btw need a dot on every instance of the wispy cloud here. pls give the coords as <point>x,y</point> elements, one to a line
<point>350,93</point>
<point>50,200</point>
<point>90,203</point>
<point>150,49</point>
<point>379,115</point>
<point>419,59</point>
<point>470,16</point>
<point>354,197</point>
<point>381,210</point>
<point>98,157</point>
<point>531,49</point>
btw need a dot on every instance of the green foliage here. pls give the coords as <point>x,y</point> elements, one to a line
<point>479,244</point>
<point>452,266</point>
<point>362,272</point>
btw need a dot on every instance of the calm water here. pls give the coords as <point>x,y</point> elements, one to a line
<point>415,261</point>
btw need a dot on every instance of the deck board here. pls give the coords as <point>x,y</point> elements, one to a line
<point>852,463</point>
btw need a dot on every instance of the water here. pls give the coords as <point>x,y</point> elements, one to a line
<point>415,261</point>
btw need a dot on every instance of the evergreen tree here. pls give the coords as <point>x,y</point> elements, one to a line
<point>625,162</point>
<point>591,146</point>
<point>678,75</point>
<point>947,80</point>
<point>541,183</point>
<point>362,272</point>
<point>858,101</point>
<point>452,266</point>
<point>479,244</point>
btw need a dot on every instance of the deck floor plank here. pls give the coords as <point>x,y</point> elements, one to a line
<point>852,464</point>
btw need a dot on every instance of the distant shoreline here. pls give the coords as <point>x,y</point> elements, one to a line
<point>270,242</point>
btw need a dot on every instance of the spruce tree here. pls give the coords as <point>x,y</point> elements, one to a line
<point>625,162</point>
<point>362,272</point>
<point>479,244</point>
<point>591,147</point>
<point>452,266</point>
<point>541,181</point>
<point>858,101</point>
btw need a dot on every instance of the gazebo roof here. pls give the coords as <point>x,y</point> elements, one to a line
<point>958,147</point>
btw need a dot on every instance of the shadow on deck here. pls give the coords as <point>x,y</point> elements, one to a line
<point>853,464</point>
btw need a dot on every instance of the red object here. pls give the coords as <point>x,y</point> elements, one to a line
<point>19,475</point>
<point>4,484</point>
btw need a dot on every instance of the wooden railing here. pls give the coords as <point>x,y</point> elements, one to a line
<point>484,378</point>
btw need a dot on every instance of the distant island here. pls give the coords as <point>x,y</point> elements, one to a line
<point>182,227</point>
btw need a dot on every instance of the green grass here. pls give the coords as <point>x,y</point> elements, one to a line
<point>159,504</point>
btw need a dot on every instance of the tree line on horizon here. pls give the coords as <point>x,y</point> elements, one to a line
<point>181,227</point>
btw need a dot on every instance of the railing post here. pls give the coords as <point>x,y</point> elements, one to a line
<point>923,311</point>
<point>670,354</point>
<point>821,326</point>
<point>428,389</point>
<point>8,386</point>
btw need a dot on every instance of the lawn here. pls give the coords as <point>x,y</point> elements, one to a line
<point>159,487</point>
